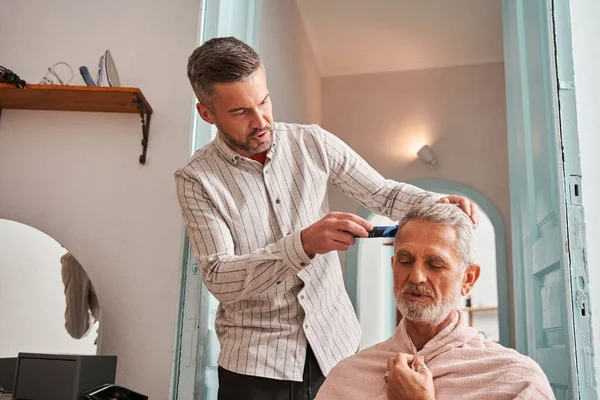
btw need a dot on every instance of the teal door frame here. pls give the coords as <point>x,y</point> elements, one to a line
<point>192,346</point>
<point>576,235</point>
<point>457,188</point>
<point>551,283</point>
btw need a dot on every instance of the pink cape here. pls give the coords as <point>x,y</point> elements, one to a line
<point>464,365</point>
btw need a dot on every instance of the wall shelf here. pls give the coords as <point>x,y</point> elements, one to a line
<point>80,98</point>
<point>474,309</point>
<point>471,310</point>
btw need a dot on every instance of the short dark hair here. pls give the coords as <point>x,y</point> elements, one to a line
<point>220,60</point>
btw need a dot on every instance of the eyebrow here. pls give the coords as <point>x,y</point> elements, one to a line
<point>431,257</point>
<point>247,108</point>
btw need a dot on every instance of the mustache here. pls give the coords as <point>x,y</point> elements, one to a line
<point>411,287</point>
<point>258,132</point>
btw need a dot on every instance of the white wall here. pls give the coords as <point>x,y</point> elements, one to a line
<point>460,112</point>
<point>32,300</point>
<point>586,53</point>
<point>292,72</point>
<point>76,176</point>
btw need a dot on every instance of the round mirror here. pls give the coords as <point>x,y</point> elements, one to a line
<point>47,301</point>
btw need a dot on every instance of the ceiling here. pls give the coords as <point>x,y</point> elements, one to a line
<point>369,36</point>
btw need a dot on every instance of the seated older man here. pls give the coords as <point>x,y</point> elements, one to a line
<point>433,354</point>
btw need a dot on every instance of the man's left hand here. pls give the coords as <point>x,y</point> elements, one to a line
<point>407,383</point>
<point>465,204</point>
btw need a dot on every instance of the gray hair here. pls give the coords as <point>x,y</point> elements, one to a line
<point>220,60</point>
<point>446,215</point>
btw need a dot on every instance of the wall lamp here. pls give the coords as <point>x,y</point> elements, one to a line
<point>426,154</point>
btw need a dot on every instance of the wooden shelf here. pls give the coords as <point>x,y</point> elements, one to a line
<point>471,310</point>
<point>80,98</point>
<point>474,309</point>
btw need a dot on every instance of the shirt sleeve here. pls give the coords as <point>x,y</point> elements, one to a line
<point>356,178</point>
<point>228,276</point>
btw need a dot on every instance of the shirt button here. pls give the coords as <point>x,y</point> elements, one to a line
<point>277,201</point>
<point>212,259</point>
<point>302,297</point>
<point>303,264</point>
<point>278,282</point>
<point>306,326</point>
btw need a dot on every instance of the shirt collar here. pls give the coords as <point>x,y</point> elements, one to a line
<point>231,155</point>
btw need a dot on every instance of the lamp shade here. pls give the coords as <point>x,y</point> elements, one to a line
<point>426,154</point>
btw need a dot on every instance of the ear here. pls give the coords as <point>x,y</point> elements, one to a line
<point>205,113</point>
<point>471,276</point>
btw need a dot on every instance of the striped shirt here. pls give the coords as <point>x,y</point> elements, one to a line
<point>244,221</point>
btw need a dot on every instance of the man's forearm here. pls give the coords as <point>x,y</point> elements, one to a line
<point>236,277</point>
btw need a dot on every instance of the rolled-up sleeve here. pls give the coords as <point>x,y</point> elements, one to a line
<point>357,179</point>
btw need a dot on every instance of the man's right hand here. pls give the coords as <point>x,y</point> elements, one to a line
<point>335,231</point>
<point>407,383</point>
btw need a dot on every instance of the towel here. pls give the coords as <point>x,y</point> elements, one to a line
<point>464,364</point>
<point>82,308</point>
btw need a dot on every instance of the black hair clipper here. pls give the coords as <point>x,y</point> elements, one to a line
<point>382,232</point>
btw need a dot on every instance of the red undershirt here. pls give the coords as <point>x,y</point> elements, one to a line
<point>260,157</point>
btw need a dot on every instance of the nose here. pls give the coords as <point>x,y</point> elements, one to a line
<point>417,274</point>
<point>258,121</point>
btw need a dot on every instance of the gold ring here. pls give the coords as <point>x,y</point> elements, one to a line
<point>421,366</point>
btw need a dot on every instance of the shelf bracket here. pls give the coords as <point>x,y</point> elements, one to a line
<point>145,114</point>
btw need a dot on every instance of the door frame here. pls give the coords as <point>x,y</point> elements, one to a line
<point>575,217</point>
<point>559,70</point>
<point>217,18</point>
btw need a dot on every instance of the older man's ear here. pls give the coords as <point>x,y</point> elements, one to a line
<point>471,276</point>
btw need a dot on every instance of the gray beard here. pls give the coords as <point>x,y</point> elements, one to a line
<point>433,314</point>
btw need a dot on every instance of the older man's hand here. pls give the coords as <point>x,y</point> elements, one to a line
<point>465,204</point>
<point>409,379</point>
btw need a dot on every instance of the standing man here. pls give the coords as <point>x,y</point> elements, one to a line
<point>255,204</point>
